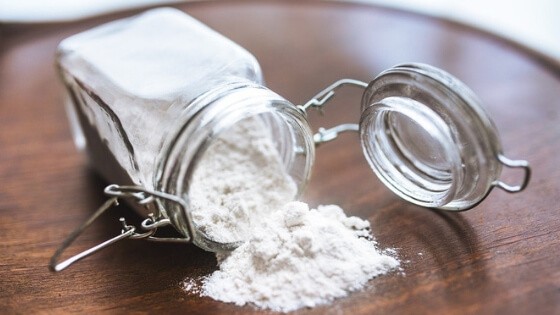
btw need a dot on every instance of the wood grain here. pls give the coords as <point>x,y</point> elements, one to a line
<point>499,258</point>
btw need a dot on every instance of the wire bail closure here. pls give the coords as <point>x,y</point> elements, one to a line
<point>150,224</point>
<point>522,164</point>
<point>320,99</point>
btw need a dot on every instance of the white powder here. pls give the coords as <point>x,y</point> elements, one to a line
<point>239,183</point>
<point>299,258</point>
<point>293,257</point>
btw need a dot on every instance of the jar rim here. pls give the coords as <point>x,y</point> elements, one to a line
<point>212,114</point>
<point>394,155</point>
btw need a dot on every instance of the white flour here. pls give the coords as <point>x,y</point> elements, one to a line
<point>239,183</point>
<point>293,257</point>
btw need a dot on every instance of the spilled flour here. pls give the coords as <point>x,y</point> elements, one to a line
<point>293,256</point>
<point>299,258</point>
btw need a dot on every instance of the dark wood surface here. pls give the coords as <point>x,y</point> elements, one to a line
<point>501,257</point>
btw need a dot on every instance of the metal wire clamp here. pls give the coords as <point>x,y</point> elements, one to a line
<point>150,224</point>
<point>318,101</point>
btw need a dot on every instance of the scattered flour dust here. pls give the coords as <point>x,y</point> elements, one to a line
<point>293,256</point>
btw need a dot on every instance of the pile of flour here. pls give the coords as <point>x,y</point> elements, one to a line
<point>293,256</point>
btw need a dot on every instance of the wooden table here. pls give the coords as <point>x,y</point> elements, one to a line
<point>501,257</point>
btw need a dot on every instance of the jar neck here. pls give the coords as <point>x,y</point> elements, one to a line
<point>215,112</point>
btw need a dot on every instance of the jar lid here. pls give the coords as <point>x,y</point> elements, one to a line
<point>427,137</point>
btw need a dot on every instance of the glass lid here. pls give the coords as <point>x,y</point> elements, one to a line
<point>426,136</point>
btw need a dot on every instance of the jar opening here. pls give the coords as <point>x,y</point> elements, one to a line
<point>248,151</point>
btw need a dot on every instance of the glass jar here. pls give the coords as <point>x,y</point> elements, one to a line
<point>150,94</point>
<point>147,109</point>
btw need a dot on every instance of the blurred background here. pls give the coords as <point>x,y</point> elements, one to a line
<point>534,24</point>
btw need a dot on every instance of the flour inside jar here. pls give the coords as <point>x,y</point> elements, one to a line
<point>239,182</point>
